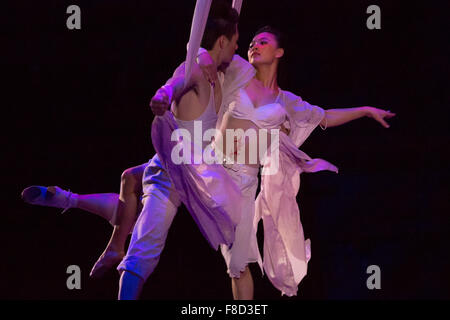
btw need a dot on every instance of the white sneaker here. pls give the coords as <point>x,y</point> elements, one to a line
<point>50,197</point>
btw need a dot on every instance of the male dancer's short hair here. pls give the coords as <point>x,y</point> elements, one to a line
<point>222,20</point>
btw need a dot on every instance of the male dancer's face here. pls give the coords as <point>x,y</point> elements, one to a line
<point>229,50</point>
<point>263,49</point>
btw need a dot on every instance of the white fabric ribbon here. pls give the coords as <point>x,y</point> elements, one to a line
<point>197,29</point>
<point>237,4</point>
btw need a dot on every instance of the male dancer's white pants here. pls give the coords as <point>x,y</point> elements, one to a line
<point>160,203</point>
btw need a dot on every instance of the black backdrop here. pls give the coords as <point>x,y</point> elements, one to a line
<point>77,102</point>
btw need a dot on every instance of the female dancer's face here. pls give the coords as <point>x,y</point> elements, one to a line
<point>263,49</point>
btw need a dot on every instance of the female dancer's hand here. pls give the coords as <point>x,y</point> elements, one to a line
<point>208,67</point>
<point>160,101</point>
<point>379,115</point>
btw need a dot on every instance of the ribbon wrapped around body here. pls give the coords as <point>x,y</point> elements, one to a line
<point>208,192</point>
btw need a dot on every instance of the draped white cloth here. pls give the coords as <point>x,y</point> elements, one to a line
<point>237,4</point>
<point>197,29</point>
<point>286,252</point>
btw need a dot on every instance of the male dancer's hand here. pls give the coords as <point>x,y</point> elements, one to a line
<point>160,101</point>
<point>208,67</point>
<point>379,115</point>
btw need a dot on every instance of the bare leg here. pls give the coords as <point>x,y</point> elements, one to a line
<point>243,287</point>
<point>130,190</point>
<point>130,286</point>
<point>120,209</point>
<point>101,204</point>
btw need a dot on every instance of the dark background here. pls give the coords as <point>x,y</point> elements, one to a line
<point>75,110</point>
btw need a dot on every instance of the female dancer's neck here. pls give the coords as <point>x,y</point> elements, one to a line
<point>267,75</point>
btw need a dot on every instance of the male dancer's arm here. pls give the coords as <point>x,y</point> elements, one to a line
<point>175,88</point>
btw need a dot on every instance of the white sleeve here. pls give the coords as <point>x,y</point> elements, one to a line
<point>303,117</point>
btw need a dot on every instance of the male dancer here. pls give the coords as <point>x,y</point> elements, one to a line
<point>195,100</point>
